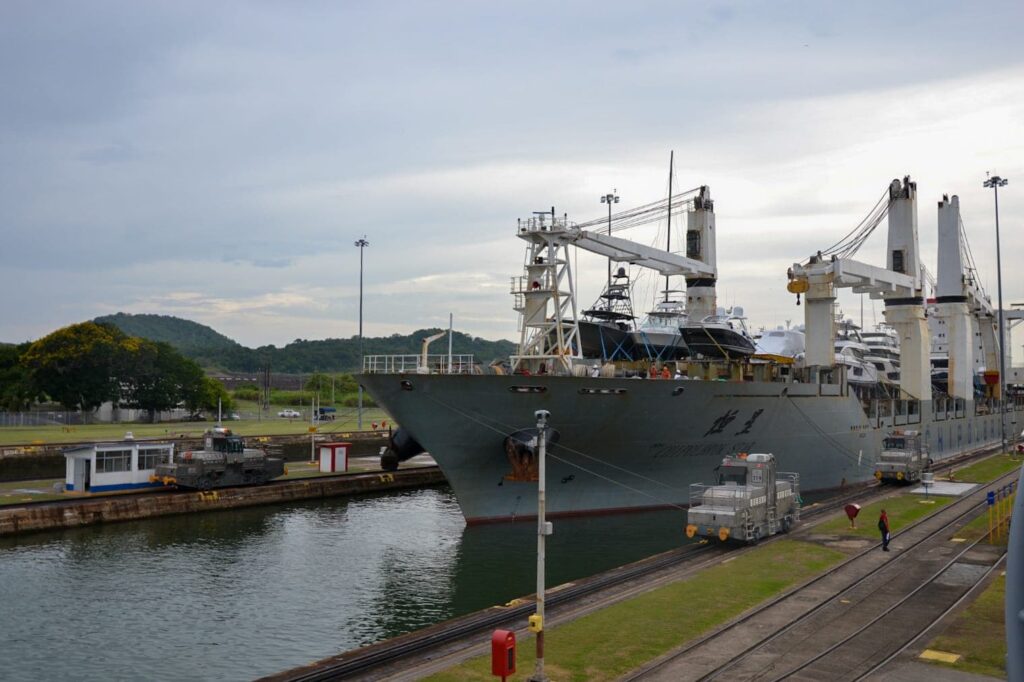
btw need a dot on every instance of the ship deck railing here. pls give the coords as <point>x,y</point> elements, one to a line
<point>414,364</point>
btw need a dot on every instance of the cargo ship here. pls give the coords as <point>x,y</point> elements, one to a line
<point>619,440</point>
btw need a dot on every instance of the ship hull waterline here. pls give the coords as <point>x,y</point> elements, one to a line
<point>634,444</point>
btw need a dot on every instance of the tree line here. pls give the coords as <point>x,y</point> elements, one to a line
<point>85,365</point>
<point>212,349</point>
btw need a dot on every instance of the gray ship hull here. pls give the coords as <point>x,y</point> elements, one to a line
<point>637,444</point>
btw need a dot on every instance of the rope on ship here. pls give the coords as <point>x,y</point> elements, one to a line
<point>840,448</point>
<point>855,238</point>
<point>582,468</point>
<point>645,214</point>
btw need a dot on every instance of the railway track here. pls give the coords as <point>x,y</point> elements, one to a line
<point>364,661</point>
<point>816,666</point>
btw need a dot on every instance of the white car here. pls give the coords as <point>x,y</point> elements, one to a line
<point>289,413</point>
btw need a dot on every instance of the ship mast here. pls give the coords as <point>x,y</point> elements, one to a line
<point>668,243</point>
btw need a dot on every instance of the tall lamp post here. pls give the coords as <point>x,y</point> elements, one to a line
<point>995,182</point>
<point>361,243</point>
<point>610,199</point>
<point>543,530</point>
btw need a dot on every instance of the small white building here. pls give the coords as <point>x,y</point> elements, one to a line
<point>123,465</point>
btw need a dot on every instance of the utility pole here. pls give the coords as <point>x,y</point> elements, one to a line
<point>606,199</point>
<point>362,244</point>
<point>995,182</point>
<point>543,530</point>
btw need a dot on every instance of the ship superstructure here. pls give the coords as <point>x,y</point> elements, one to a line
<point>624,443</point>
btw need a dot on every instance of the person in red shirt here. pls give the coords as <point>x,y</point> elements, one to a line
<point>883,527</point>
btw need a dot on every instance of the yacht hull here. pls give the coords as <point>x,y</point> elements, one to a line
<point>605,341</point>
<point>715,342</point>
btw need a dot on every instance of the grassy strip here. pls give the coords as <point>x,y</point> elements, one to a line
<point>902,511</point>
<point>41,490</point>
<point>979,526</point>
<point>609,643</point>
<point>987,469</point>
<point>978,634</point>
<point>43,435</point>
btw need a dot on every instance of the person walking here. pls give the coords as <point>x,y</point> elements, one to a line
<point>883,527</point>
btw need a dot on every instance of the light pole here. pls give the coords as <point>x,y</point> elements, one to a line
<point>995,182</point>
<point>543,530</point>
<point>361,243</point>
<point>610,199</point>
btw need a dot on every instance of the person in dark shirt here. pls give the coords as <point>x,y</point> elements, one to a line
<point>883,527</point>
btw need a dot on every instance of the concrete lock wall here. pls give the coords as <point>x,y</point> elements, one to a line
<point>47,461</point>
<point>71,514</point>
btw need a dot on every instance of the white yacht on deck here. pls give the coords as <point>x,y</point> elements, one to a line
<point>723,335</point>
<point>658,336</point>
<point>884,352</point>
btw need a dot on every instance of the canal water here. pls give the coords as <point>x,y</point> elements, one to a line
<point>238,594</point>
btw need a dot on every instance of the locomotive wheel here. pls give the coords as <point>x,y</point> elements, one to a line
<point>787,523</point>
<point>757,535</point>
<point>205,483</point>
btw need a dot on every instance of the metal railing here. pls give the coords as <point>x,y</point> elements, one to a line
<point>413,364</point>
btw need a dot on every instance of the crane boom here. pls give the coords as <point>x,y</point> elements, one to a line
<point>626,251</point>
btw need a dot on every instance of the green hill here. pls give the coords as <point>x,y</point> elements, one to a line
<point>180,333</point>
<point>212,349</point>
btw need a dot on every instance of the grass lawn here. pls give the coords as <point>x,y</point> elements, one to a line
<point>29,491</point>
<point>609,643</point>
<point>42,435</point>
<point>901,510</point>
<point>987,469</point>
<point>978,634</point>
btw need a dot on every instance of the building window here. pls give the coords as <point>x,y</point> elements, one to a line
<point>150,457</point>
<point>109,461</point>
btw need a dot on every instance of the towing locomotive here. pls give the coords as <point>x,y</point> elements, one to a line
<point>904,458</point>
<point>224,461</point>
<point>749,501</point>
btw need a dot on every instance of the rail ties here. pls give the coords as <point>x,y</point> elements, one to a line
<point>414,645</point>
<point>848,632</point>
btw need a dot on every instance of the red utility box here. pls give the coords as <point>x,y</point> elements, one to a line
<point>503,653</point>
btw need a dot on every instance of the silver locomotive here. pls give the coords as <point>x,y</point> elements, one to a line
<point>750,500</point>
<point>904,457</point>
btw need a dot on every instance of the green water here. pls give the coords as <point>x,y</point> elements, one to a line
<point>238,594</point>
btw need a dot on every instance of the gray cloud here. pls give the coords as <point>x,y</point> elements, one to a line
<point>141,142</point>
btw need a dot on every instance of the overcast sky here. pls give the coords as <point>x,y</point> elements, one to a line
<point>217,161</point>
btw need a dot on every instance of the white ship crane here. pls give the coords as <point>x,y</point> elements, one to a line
<point>961,306</point>
<point>545,296</point>
<point>899,284</point>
